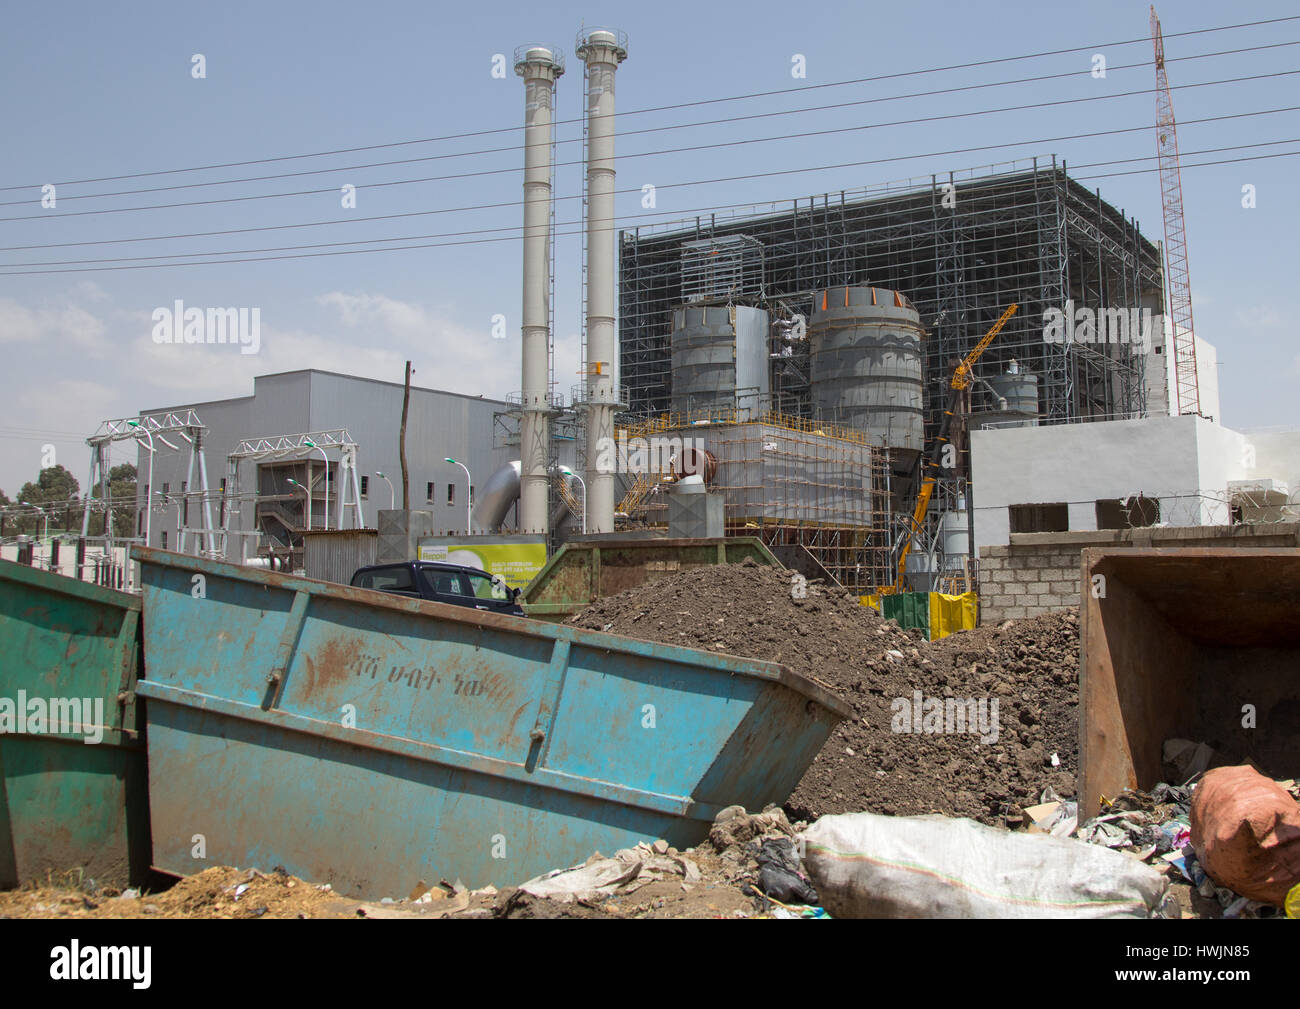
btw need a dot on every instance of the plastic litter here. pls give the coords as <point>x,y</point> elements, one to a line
<point>870,866</point>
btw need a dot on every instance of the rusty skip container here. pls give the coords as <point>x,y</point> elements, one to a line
<point>372,741</point>
<point>582,571</point>
<point>73,782</point>
<point>1187,643</point>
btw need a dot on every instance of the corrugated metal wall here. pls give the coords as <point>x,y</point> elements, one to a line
<point>334,556</point>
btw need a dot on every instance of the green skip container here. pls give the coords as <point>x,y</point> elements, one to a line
<point>73,777</point>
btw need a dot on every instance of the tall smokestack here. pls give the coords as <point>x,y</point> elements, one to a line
<point>602,50</point>
<point>539,66</point>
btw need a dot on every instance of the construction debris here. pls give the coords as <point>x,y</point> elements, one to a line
<point>1025,673</point>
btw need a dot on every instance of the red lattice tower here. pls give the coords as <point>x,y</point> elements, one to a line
<point>1177,275</point>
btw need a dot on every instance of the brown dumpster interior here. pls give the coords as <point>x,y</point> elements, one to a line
<point>1180,643</point>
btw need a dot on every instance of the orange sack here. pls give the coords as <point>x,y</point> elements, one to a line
<point>1246,832</point>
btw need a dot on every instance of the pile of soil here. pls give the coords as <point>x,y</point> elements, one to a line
<point>218,892</point>
<point>1030,667</point>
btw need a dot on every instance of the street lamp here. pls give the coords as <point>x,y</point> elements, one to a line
<point>392,495</point>
<point>311,444</point>
<point>565,471</point>
<point>469,490</point>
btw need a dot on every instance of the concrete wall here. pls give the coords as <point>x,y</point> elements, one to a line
<point>1185,462</point>
<point>1078,464</point>
<point>1039,572</point>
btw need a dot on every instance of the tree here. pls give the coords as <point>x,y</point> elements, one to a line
<point>56,491</point>
<point>121,491</point>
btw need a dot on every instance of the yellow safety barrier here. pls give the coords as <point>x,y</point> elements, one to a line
<point>949,613</point>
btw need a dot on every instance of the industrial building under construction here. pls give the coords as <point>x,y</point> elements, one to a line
<point>847,312</point>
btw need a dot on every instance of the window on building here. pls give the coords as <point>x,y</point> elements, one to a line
<point>1128,513</point>
<point>428,492</point>
<point>365,487</point>
<point>471,495</point>
<point>164,539</point>
<point>451,493</point>
<point>167,488</point>
<point>1040,518</point>
<point>185,504</point>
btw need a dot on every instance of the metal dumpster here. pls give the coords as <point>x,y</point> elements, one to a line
<point>583,571</point>
<point>72,761</point>
<point>371,741</point>
<point>1192,643</point>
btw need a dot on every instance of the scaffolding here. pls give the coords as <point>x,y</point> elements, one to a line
<point>791,481</point>
<point>960,247</point>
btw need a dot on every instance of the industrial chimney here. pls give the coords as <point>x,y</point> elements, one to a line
<point>539,66</point>
<point>602,50</point>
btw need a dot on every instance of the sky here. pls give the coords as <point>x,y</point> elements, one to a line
<point>105,91</point>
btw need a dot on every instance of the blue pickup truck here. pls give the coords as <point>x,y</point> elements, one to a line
<point>443,583</point>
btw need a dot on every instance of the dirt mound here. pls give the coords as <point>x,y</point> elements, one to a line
<point>218,892</point>
<point>1002,699</point>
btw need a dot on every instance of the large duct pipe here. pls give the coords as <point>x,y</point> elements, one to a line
<point>497,496</point>
<point>539,66</point>
<point>501,492</point>
<point>602,50</point>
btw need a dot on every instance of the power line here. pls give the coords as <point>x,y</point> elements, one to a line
<point>640,154</point>
<point>517,203</point>
<point>513,238</point>
<point>424,213</point>
<point>680,105</point>
<point>516,230</point>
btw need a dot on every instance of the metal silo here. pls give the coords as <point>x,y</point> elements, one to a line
<point>1010,400</point>
<point>1018,389</point>
<point>866,364</point>
<point>719,361</point>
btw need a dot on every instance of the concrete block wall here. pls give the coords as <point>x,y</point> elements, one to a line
<point>1040,572</point>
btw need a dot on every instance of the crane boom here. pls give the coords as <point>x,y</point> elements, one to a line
<point>1171,196</point>
<point>961,378</point>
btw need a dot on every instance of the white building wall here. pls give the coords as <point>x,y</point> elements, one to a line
<point>1207,379</point>
<point>1079,464</point>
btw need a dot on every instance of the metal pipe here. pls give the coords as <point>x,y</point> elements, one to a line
<point>602,50</point>
<point>499,492</point>
<point>539,66</point>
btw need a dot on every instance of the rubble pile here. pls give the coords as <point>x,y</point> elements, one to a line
<point>1018,682</point>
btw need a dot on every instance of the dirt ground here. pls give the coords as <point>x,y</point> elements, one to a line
<point>225,892</point>
<point>1029,667</point>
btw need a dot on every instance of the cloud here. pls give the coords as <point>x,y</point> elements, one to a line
<point>446,354</point>
<point>70,326</point>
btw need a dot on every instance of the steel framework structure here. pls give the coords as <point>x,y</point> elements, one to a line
<point>186,424</point>
<point>296,447</point>
<point>961,247</point>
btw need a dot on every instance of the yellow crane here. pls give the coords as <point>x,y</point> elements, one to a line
<point>961,379</point>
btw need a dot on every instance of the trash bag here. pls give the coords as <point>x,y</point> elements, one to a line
<point>1246,832</point>
<point>869,866</point>
<point>779,876</point>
